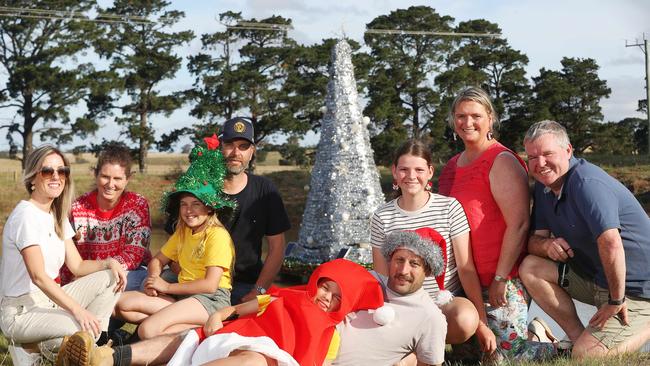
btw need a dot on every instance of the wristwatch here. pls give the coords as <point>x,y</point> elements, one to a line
<point>610,301</point>
<point>500,278</point>
<point>260,290</point>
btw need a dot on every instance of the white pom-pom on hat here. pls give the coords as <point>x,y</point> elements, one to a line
<point>444,297</point>
<point>383,315</point>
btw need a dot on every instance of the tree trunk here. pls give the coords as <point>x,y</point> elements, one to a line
<point>28,128</point>
<point>28,136</point>
<point>142,155</point>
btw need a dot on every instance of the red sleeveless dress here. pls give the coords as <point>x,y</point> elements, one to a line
<point>470,185</point>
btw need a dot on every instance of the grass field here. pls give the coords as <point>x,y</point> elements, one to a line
<point>633,172</point>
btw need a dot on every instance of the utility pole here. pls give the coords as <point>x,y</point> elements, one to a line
<point>644,47</point>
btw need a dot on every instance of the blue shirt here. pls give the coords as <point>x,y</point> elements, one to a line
<point>591,202</point>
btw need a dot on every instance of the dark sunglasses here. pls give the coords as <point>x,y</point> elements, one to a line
<point>241,147</point>
<point>47,172</point>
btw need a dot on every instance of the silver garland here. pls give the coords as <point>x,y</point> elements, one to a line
<point>345,188</point>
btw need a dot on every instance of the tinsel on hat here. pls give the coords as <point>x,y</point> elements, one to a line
<point>203,178</point>
<point>428,244</point>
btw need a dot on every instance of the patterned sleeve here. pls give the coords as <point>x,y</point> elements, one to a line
<point>457,219</point>
<point>377,234</point>
<point>136,234</point>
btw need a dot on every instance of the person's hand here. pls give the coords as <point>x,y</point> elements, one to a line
<point>497,294</point>
<point>250,295</point>
<point>559,250</point>
<point>147,290</point>
<point>175,267</point>
<point>486,338</point>
<point>118,273</point>
<point>87,320</point>
<point>156,283</point>
<point>213,324</point>
<point>607,311</point>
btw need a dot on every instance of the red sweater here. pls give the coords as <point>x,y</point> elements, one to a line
<point>122,233</point>
<point>470,185</point>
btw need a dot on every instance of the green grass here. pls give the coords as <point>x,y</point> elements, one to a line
<point>633,172</point>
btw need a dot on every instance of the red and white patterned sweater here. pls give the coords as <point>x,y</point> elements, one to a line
<point>122,233</point>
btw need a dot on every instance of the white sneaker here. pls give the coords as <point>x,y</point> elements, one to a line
<point>539,331</point>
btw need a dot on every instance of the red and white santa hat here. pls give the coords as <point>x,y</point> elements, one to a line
<point>444,296</point>
<point>428,244</point>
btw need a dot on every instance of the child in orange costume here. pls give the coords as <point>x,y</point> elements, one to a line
<point>295,328</point>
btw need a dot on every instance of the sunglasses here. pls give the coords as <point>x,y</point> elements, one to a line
<point>563,271</point>
<point>242,147</point>
<point>47,172</point>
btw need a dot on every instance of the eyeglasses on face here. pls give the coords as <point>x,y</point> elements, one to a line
<point>241,147</point>
<point>47,172</point>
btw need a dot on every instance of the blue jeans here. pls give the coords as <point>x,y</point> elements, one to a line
<point>134,278</point>
<point>239,290</point>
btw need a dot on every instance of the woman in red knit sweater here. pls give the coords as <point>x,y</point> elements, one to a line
<point>111,222</point>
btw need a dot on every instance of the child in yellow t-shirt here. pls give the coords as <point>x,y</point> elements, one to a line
<point>201,246</point>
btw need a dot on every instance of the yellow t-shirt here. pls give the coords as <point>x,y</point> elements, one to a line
<point>264,300</point>
<point>217,251</point>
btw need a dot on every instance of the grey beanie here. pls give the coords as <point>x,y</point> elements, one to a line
<point>424,247</point>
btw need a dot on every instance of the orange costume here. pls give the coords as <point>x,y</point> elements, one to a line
<point>294,323</point>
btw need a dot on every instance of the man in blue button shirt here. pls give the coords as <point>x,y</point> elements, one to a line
<point>589,220</point>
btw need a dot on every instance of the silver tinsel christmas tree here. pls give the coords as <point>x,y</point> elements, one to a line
<point>344,189</point>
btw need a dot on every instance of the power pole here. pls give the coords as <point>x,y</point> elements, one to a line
<point>644,47</point>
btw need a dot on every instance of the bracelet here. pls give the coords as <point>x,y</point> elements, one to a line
<point>610,301</point>
<point>500,278</point>
<point>106,263</point>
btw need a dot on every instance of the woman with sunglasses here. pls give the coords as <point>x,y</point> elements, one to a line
<point>36,241</point>
<point>111,222</point>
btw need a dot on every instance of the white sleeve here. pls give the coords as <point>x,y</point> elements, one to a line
<point>25,234</point>
<point>68,231</point>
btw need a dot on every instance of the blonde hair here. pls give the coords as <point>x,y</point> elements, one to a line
<point>478,95</point>
<point>210,222</point>
<point>61,205</point>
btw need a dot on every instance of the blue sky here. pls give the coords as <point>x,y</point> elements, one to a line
<point>545,31</point>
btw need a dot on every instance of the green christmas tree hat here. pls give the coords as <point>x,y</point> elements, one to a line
<point>203,178</point>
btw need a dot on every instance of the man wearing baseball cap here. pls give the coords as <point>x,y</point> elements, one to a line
<point>418,327</point>
<point>260,213</point>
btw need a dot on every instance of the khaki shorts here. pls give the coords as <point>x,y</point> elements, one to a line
<point>213,302</point>
<point>614,332</point>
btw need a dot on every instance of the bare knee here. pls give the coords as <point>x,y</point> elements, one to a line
<point>533,268</point>
<point>587,346</point>
<point>148,330</point>
<point>251,358</point>
<point>462,320</point>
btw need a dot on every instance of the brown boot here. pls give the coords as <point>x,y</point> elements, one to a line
<point>102,356</point>
<point>59,355</point>
<point>75,350</point>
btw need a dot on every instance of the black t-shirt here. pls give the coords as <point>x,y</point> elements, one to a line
<point>260,212</point>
